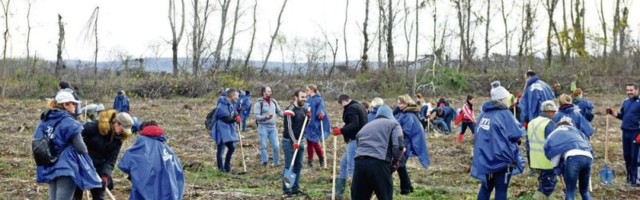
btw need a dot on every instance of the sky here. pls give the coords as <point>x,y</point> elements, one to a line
<point>140,28</point>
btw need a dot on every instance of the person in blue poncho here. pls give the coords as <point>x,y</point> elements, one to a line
<point>73,167</point>
<point>152,167</point>
<point>245,109</point>
<point>535,92</point>
<point>496,156</point>
<point>586,107</point>
<point>224,131</point>
<point>313,132</point>
<point>414,140</point>
<point>121,102</point>
<point>373,108</point>
<point>569,112</point>
<point>570,154</point>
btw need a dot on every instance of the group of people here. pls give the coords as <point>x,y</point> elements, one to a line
<point>85,154</point>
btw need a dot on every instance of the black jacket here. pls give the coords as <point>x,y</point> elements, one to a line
<point>102,150</point>
<point>354,118</point>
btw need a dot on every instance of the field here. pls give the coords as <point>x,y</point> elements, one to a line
<point>182,119</point>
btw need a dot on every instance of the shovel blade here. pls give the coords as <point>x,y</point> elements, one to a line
<point>289,178</point>
<point>606,175</point>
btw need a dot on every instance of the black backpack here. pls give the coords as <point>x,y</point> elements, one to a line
<point>210,120</point>
<point>43,147</point>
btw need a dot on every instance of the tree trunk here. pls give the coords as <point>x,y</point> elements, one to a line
<point>344,34</point>
<point>461,26</point>
<point>507,38</point>
<point>603,23</point>
<point>334,53</point>
<point>623,27</point>
<point>233,35</point>
<point>486,36</point>
<point>365,49</point>
<point>381,35</point>
<point>223,24</point>
<point>415,51</point>
<point>273,38</point>
<point>5,63</point>
<point>253,37</point>
<point>407,37</point>
<point>200,21</point>
<point>96,14</point>
<point>616,28</point>
<point>59,61</point>
<point>175,36</point>
<point>28,31</point>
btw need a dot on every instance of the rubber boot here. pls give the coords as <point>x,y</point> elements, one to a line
<point>340,185</point>
<point>460,138</point>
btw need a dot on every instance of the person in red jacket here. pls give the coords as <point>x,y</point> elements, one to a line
<point>467,118</point>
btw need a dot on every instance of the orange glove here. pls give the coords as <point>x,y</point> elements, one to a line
<point>609,111</point>
<point>320,116</point>
<point>296,146</point>
<point>336,131</point>
<point>238,119</point>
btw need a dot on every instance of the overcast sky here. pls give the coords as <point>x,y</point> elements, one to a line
<point>140,28</point>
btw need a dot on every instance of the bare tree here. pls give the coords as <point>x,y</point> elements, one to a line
<point>463,9</point>
<point>578,30</point>
<point>527,32</point>
<point>200,20</point>
<point>5,37</point>
<point>507,37</point>
<point>344,35</point>
<point>92,31</point>
<point>273,38</point>
<point>389,32</point>
<point>603,23</point>
<point>28,29</point>
<point>616,28</point>
<point>408,31</point>
<point>622,27</point>
<point>253,37</point>
<point>365,46</point>
<point>487,23</point>
<point>550,6</point>
<point>334,52</point>
<point>59,61</point>
<point>223,23</point>
<point>175,36</point>
<point>233,35</point>
<point>281,40</point>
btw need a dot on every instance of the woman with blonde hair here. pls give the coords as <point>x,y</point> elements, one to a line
<point>373,108</point>
<point>73,167</point>
<point>104,139</point>
<point>415,142</point>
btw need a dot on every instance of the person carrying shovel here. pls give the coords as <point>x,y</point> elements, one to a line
<point>224,131</point>
<point>354,117</point>
<point>318,129</point>
<point>294,120</point>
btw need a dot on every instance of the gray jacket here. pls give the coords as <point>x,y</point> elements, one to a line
<point>262,109</point>
<point>373,140</point>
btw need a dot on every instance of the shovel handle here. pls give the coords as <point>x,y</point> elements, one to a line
<point>295,153</point>
<point>335,152</point>
<point>323,146</point>
<point>244,165</point>
<point>606,140</point>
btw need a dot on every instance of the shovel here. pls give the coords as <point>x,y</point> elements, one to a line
<point>606,173</point>
<point>335,151</point>
<point>323,146</point>
<point>289,176</point>
<point>244,165</point>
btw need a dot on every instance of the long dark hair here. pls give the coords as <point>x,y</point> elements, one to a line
<point>469,97</point>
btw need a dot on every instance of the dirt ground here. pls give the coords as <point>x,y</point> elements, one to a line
<point>183,121</point>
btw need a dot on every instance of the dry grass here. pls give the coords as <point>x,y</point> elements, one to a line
<point>447,177</point>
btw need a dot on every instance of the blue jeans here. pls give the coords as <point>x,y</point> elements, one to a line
<point>442,125</point>
<point>630,154</point>
<point>287,147</point>
<point>244,123</point>
<point>576,171</point>
<point>347,162</point>
<point>271,134</point>
<point>498,180</point>
<point>227,160</point>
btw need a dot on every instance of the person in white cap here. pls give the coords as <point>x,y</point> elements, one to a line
<point>496,153</point>
<point>104,139</point>
<point>73,166</point>
<point>539,130</point>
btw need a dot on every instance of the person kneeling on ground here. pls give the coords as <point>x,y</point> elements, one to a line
<point>152,167</point>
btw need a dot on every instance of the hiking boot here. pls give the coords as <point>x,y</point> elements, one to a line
<point>460,138</point>
<point>310,163</point>
<point>264,164</point>
<point>321,160</point>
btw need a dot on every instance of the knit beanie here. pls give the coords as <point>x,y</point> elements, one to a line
<point>564,99</point>
<point>499,93</point>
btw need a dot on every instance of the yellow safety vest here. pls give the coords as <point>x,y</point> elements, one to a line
<point>536,138</point>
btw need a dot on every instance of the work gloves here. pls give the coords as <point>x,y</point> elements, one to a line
<point>336,131</point>
<point>289,113</point>
<point>321,116</point>
<point>296,146</point>
<point>609,111</point>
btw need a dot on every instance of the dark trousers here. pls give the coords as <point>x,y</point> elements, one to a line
<point>630,154</point>
<point>96,194</point>
<point>471,126</point>
<point>405,180</point>
<point>498,180</point>
<point>576,171</point>
<point>227,159</point>
<point>547,181</point>
<point>370,176</point>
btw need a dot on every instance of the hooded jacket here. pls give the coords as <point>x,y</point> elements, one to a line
<point>570,113</point>
<point>312,131</point>
<point>585,107</point>
<point>536,92</point>
<point>372,114</point>
<point>70,163</point>
<point>245,105</point>
<point>496,140</point>
<point>413,132</point>
<point>153,168</point>
<point>224,129</point>
<point>121,103</point>
<point>563,139</point>
<point>103,149</point>
<point>630,115</point>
